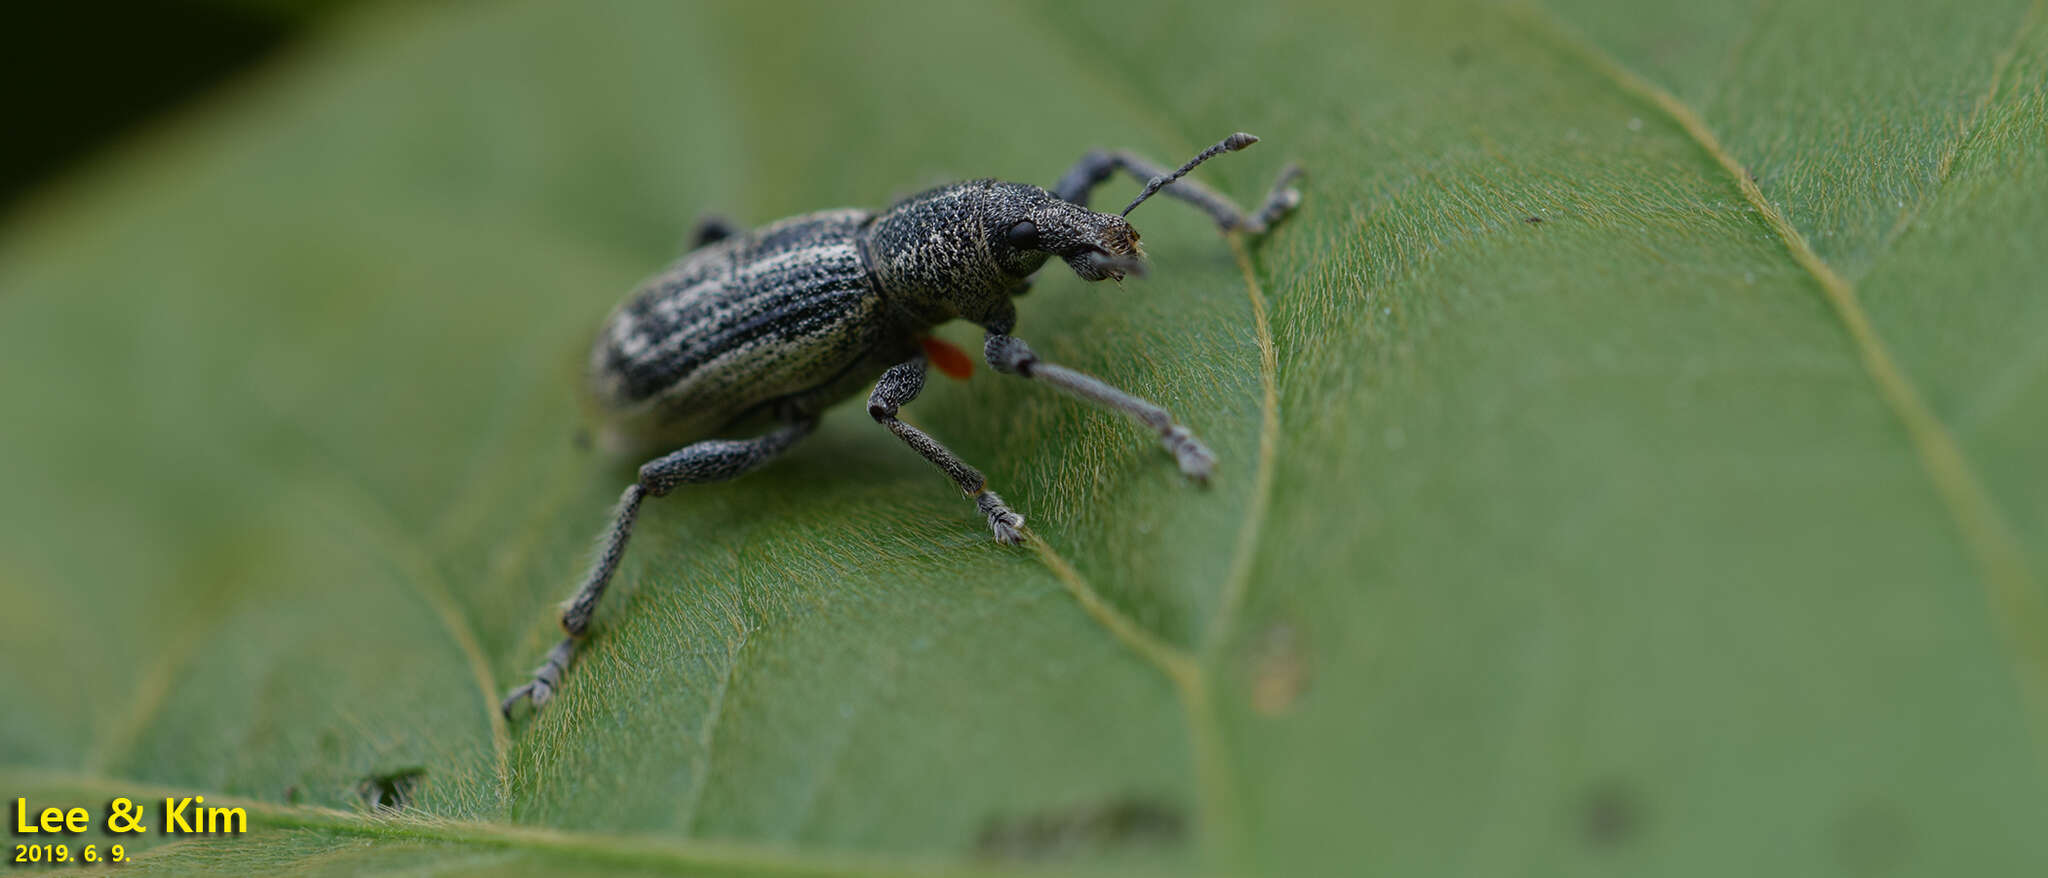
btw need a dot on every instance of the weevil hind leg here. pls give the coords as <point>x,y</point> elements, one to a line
<point>1098,166</point>
<point>897,387</point>
<point>713,460</point>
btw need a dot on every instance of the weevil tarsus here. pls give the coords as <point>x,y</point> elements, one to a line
<point>546,678</point>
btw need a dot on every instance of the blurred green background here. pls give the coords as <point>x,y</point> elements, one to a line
<point>1646,477</point>
<point>89,75</point>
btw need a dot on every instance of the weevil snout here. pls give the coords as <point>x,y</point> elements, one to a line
<point>1096,246</point>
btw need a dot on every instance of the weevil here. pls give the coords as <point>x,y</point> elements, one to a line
<point>762,331</point>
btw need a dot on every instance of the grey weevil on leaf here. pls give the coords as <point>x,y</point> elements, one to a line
<point>771,327</point>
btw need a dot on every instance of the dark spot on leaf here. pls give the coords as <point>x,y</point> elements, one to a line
<point>1461,56</point>
<point>1533,219</point>
<point>391,791</point>
<point>1067,832</point>
<point>1611,814</point>
<point>1872,839</point>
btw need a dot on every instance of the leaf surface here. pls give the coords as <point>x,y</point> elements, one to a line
<point>1630,454</point>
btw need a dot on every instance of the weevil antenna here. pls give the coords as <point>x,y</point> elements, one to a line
<point>1232,143</point>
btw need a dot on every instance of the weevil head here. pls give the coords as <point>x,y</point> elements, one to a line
<point>965,249</point>
<point>1026,225</point>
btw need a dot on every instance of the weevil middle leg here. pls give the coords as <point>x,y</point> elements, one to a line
<point>897,387</point>
<point>1009,354</point>
<point>713,460</point>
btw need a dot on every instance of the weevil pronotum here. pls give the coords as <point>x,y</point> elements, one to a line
<point>769,328</point>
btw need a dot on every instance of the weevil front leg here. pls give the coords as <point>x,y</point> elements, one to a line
<point>1010,355</point>
<point>898,386</point>
<point>714,460</point>
<point>1098,166</point>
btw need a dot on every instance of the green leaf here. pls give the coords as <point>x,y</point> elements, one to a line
<point>1630,454</point>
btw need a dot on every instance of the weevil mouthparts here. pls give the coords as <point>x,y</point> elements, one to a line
<point>1101,265</point>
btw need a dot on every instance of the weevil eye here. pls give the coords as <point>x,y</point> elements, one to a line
<point>1022,235</point>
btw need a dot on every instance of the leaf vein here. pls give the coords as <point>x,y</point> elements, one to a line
<point>622,849</point>
<point>426,581</point>
<point>1214,776</point>
<point>707,733</point>
<point>1966,131</point>
<point>1237,580</point>
<point>2012,591</point>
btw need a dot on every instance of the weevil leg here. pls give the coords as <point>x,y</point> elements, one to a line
<point>713,460</point>
<point>1009,354</point>
<point>897,387</point>
<point>1098,166</point>
<point>711,229</point>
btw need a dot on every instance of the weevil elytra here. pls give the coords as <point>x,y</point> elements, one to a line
<point>767,329</point>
